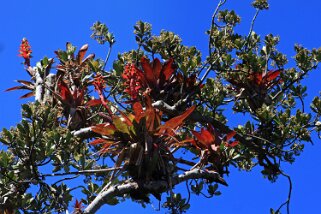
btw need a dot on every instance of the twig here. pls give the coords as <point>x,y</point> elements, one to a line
<point>287,202</point>
<point>65,179</point>
<point>289,85</point>
<point>92,171</point>
<point>207,72</point>
<point>108,55</point>
<point>251,28</point>
<point>220,4</point>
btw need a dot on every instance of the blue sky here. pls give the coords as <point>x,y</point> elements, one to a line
<point>50,24</point>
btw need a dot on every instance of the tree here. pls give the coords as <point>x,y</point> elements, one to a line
<point>121,132</point>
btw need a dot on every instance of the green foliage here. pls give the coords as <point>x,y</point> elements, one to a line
<point>148,124</point>
<point>101,34</point>
<point>261,4</point>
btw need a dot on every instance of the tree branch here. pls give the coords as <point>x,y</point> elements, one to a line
<point>90,171</point>
<point>83,133</point>
<point>154,186</point>
<point>220,4</point>
<point>251,28</point>
<point>287,202</point>
<point>38,86</point>
<point>107,57</point>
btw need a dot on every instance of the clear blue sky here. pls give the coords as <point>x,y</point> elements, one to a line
<point>49,24</point>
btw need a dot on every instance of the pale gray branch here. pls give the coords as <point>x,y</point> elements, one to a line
<point>84,132</point>
<point>39,88</point>
<point>154,186</point>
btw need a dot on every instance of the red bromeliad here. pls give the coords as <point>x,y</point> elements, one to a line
<point>209,144</point>
<point>25,51</point>
<point>154,75</point>
<point>72,102</point>
<point>140,140</point>
<point>207,139</point>
<point>266,80</point>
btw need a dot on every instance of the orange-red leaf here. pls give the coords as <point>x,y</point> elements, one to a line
<point>257,78</point>
<point>65,93</point>
<point>82,53</point>
<point>206,138</point>
<point>94,102</point>
<point>187,141</point>
<point>104,129</point>
<point>78,206</point>
<point>148,70</point>
<point>230,135</point>
<point>157,67</point>
<point>97,141</point>
<point>105,147</point>
<point>175,122</point>
<point>138,110</point>
<point>233,144</point>
<point>17,88</point>
<point>150,119</point>
<point>168,69</point>
<point>30,94</point>
<point>271,75</point>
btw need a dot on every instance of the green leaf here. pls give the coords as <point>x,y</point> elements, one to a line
<point>121,125</point>
<point>112,201</point>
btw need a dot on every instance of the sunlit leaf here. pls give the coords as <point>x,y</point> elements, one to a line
<point>271,75</point>
<point>81,53</point>
<point>104,129</point>
<point>175,122</point>
<point>120,124</point>
<point>206,138</point>
<point>97,141</point>
<point>138,110</point>
<point>89,57</point>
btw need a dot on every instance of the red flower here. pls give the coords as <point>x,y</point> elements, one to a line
<point>25,51</point>
<point>134,80</point>
<point>99,83</point>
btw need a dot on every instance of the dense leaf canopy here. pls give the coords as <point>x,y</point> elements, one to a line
<point>156,119</point>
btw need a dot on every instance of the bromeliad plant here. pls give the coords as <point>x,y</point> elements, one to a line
<point>154,120</point>
<point>141,143</point>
